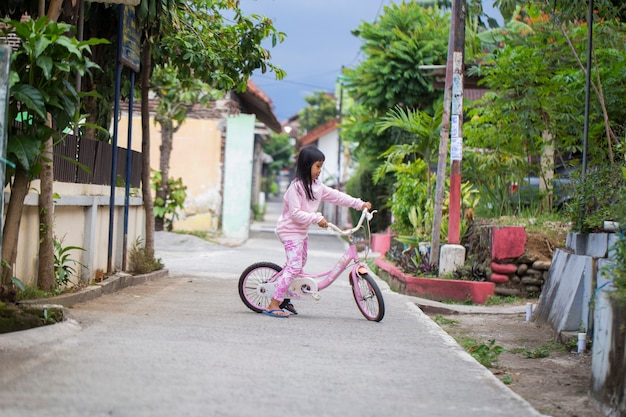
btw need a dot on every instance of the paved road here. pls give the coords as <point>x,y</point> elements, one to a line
<point>185,345</point>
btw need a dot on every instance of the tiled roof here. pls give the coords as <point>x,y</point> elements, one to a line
<point>251,101</point>
<point>318,132</point>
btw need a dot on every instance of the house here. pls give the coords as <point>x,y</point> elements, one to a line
<point>217,153</point>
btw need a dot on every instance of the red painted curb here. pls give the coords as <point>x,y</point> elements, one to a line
<point>499,278</point>
<point>504,269</point>
<point>439,289</point>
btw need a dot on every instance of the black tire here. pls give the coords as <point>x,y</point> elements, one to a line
<point>368,297</point>
<point>250,279</point>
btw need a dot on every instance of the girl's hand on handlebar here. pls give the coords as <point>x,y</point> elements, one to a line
<point>323,223</point>
<point>367,205</point>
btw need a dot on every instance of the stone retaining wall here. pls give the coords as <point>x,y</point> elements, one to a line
<point>513,270</point>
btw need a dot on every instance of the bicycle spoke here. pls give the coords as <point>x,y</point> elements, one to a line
<point>249,282</point>
<point>368,297</point>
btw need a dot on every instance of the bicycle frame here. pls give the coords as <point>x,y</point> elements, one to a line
<point>311,284</point>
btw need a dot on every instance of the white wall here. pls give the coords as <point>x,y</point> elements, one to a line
<point>328,144</point>
<point>81,219</point>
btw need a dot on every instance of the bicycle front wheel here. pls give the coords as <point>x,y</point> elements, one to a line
<point>250,281</point>
<point>368,297</point>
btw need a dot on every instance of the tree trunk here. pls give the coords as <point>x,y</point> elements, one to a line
<point>11,230</point>
<point>148,204</point>
<point>167,139</point>
<point>45,271</point>
<point>546,179</point>
<point>54,9</point>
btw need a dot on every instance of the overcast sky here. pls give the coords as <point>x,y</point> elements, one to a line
<point>318,43</point>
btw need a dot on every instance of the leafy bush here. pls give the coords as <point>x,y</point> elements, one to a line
<point>362,185</point>
<point>617,271</point>
<point>174,200</point>
<point>409,259</point>
<point>493,172</point>
<point>597,199</point>
<point>141,260</point>
<point>472,271</point>
<point>485,353</point>
<point>64,266</point>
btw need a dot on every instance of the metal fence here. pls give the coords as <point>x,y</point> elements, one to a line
<point>87,161</point>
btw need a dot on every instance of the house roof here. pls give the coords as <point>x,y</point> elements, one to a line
<point>252,101</point>
<point>318,132</point>
<point>256,101</point>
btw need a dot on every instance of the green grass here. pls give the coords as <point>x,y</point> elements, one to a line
<point>485,353</point>
<point>493,300</point>
<point>542,351</point>
<point>550,224</point>
<point>31,293</point>
<point>441,320</point>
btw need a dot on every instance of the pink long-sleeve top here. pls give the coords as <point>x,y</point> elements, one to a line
<point>299,212</point>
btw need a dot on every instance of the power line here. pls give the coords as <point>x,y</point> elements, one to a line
<point>290,82</point>
<point>358,54</point>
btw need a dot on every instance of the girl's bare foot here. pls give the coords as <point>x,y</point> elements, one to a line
<point>273,309</point>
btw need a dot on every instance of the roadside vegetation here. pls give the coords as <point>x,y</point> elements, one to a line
<point>525,131</point>
<point>191,53</point>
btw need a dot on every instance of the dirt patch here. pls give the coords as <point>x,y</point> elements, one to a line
<point>555,381</point>
<point>547,373</point>
<point>542,245</point>
<point>539,245</point>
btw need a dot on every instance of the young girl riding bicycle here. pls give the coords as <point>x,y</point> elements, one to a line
<point>300,204</point>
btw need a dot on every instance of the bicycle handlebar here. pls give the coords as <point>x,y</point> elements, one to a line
<point>366,214</point>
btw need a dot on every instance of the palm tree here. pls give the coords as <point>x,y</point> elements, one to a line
<point>423,128</point>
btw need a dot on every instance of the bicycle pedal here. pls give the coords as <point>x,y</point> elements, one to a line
<point>316,296</point>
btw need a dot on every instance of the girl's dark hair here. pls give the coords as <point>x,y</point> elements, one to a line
<point>306,158</point>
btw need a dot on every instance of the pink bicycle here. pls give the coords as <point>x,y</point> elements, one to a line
<point>256,284</point>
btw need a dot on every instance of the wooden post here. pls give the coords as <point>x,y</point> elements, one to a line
<point>456,136</point>
<point>457,19</point>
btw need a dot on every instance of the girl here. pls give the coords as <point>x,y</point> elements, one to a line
<point>300,205</point>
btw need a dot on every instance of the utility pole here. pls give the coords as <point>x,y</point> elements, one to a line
<point>453,100</point>
<point>456,137</point>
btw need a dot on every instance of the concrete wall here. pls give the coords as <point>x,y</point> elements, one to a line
<point>238,166</point>
<point>328,144</point>
<point>81,218</point>
<point>576,297</point>
<point>573,282</point>
<point>196,158</point>
<point>608,360</point>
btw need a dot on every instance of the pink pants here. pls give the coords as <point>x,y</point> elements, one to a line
<point>296,252</point>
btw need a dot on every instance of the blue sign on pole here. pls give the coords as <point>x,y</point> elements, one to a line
<point>131,41</point>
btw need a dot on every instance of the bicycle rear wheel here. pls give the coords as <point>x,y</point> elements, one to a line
<point>368,297</point>
<point>249,282</point>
